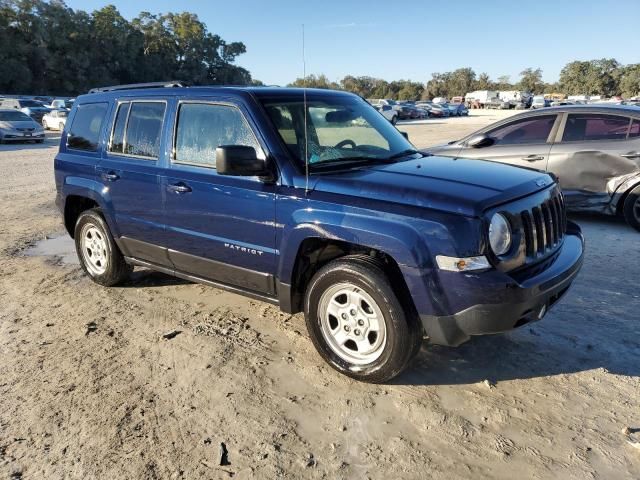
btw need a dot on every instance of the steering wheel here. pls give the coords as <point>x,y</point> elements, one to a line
<point>345,142</point>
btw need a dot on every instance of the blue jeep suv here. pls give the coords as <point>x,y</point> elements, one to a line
<point>313,201</point>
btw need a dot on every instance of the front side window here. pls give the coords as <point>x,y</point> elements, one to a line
<point>335,131</point>
<point>84,133</point>
<point>525,131</point>
<point>144,126</point>
<point>634,132</point>
<point>204,127</point>
<point>595,126</point>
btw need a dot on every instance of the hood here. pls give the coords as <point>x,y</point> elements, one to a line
<point>462,186</point>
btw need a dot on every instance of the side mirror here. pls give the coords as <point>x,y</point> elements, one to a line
<point>240,160</point>
<point>405,135</point>
<point>479,141</point>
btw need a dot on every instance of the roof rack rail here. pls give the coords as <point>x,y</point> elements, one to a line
<point>134,86</point>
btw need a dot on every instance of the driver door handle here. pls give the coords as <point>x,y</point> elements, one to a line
<point>179,188</point>
<point>533,158</point>
<point>110,176</point>
<point>631,155</point>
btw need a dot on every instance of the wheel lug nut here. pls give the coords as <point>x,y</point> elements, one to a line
<point>344,316</point>
<point>347,328</point>
<point>356,332</point>
<point>361,323</point>
<point>353,313</point>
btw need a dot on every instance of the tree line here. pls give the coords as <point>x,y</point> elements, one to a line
<point>48,48</point>
<point>595,77</point>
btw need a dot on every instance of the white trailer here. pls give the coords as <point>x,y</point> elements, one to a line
<point>481,97</point>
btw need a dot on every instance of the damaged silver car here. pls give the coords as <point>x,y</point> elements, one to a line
<point>593,149</point>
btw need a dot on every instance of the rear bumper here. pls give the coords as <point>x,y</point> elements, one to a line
<point>515,304</point>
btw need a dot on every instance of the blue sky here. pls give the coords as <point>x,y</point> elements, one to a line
<point>410,39</point>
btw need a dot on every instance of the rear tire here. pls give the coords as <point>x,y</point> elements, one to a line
<point>98,253</point>
<point>394,120</point>
<point>356,322</point>
<point>632,208</point>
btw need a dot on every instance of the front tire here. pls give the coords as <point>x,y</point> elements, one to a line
<point>356,321</point>
<point>44,125</point>
<point>632,208</point>
<point>98,253</point>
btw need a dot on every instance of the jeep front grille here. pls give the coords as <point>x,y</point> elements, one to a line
<point>544,226</point>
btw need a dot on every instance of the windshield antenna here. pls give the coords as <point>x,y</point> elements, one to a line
<point>304,95</point>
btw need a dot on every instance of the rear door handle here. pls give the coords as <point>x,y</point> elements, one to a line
<point>533,158</point>
<point>631,155</point>
<point>179,188</point>
<point>110,176</point>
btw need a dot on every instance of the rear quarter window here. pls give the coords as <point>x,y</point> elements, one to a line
<point>84,133</point>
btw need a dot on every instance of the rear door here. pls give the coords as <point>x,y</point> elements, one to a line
<point>525,142</point>
<point>592,149</point>
<point>220,228</point>
<point>131,170</point>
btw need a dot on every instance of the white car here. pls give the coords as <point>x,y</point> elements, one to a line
<point>55,120</point>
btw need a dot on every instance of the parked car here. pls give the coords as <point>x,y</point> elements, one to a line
<point>435,109</point>
<point>59,103</point>
<point>16,126</point>
<point>45,100</point>
<point>457,109</point>
<point>377,244</point>
<point>32,108</point>
<point>55,119</point>
<point>593,150</point>
<point>540,102</point>
<point>388,112</point>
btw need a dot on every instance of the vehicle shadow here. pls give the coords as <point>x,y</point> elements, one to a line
<point>144,278</point>
<point>512,356</point>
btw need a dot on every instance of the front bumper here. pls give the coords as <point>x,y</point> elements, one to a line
<point>21,137</point>
<point>504,303</point>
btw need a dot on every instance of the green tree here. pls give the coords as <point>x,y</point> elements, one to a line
<point>630,80</point>
<point>531,81</point>
<point>315,81</point>
<point>484,82</point>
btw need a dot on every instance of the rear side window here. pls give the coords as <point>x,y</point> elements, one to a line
<point>117,138</point>
<point>525,131</point>
<point>634,132</point>
<point>144,126</point>
<point>595,126</point>
<point>84,133</point>
<point>204,127</point>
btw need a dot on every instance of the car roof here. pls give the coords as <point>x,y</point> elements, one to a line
<point>240,91</point>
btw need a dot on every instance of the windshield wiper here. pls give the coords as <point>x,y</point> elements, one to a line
<point>404,153</point>
<point>350,160</point>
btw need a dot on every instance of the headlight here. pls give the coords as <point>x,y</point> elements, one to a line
<point>499,234</point>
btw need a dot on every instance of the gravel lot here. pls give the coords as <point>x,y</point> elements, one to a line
<point>90,389</point>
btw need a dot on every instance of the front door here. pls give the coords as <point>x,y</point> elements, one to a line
<point>219,227</point>
<point>524,143</point>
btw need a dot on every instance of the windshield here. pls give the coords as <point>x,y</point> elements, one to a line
<point>29,103</point>
<point>14,116</point>
<point>341,130</point>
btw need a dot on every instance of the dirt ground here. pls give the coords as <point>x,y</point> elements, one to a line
<point>90,388</point>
